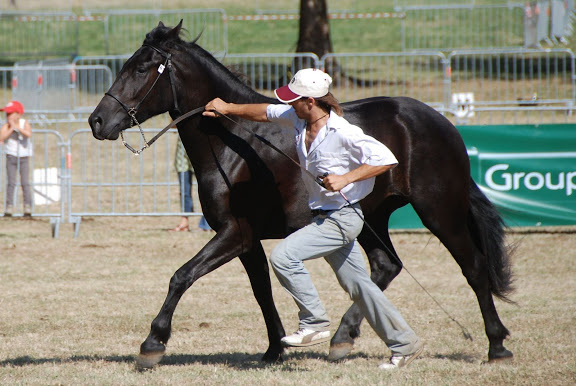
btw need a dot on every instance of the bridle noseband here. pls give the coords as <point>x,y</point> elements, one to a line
<point>131,111</point>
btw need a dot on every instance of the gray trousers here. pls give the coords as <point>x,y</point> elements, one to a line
<point>13,166</point>
<point>334,238</point>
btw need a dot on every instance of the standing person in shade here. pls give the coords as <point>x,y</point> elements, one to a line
<point>16,134</point>
<point>348,160</point>
<point>185,172</point>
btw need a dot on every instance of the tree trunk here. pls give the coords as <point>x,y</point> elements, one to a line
<point>314,36</point>
<point>314,33</point>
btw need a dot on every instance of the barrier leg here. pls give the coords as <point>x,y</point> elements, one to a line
<point>76,224</point>
<point>55,225</point>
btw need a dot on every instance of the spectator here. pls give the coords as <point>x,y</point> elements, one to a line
<point>15,134</point>
<point>185,172</point>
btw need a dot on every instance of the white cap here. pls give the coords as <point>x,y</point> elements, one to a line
<point>308,82</point>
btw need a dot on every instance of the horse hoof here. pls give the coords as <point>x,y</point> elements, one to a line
<point>500,357</point>
<point>147,361</point>
<point>272,358</point>
<point>339,351</point>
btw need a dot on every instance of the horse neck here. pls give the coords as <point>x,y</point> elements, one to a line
<point>213,80</point>
<point>208,79</point>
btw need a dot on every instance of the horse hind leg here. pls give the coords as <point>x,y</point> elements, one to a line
<point>475,240</point>
<point>384,269</point>
<point>474,269</point>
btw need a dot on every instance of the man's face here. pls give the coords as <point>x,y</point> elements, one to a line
<point>302,107</point>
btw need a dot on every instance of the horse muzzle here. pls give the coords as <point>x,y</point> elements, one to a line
<point>105,129</point>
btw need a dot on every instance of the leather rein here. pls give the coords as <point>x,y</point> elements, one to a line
<point>132,111</point>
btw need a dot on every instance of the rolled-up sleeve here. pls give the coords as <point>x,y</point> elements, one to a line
<point>368,150</point>
<point>282,114</point>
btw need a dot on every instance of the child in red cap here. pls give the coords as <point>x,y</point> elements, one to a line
<point>15,134</point>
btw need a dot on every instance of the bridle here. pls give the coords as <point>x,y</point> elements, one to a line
<point>132,111</point>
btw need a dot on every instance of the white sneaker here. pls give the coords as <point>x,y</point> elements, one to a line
<point>305,337</point>
<point>397,361</point>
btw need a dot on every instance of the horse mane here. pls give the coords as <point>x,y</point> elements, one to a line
<point>174,38</point>
<point>162,35</point>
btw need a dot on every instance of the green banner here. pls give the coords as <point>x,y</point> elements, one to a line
<point>527,171</point>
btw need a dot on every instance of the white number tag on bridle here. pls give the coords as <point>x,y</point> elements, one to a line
<point>161,69</point>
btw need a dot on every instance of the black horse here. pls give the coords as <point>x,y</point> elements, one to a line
<point>249,192</point>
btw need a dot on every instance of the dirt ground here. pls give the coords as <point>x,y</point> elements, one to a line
<point>75,311</point>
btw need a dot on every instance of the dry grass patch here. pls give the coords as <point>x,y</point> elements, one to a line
<point>76,310</point>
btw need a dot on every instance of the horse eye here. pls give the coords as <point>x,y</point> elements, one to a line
<point>141,70</point>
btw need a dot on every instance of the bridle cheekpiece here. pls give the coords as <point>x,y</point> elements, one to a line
<point>131,111</point>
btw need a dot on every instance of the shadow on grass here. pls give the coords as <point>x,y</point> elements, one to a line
<point>28,360</point>
<point>237,361</point>
<point>246,361</point>
<point>457,357</point>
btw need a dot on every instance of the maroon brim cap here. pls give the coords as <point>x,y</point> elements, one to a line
<point>285,95</point>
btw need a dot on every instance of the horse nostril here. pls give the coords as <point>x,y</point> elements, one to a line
<point>95,122</point>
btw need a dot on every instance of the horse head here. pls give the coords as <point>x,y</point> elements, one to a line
<point>145,87</point>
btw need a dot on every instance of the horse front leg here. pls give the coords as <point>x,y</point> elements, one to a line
<point>256,266</point>
<point>383,269</point>
<point>224,247</point>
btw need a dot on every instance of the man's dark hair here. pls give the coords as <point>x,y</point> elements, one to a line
<point>329,103</point>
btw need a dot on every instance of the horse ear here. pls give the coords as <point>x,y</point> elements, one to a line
<point>160,24</point>
<point>176,30</point>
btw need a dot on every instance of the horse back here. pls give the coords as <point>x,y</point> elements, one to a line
<point>429,149</point>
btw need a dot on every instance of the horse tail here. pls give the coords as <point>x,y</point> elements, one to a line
<point>487,229</point>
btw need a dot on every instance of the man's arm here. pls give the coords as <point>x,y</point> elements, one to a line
<point>335,183</point>
<point>253,112</point>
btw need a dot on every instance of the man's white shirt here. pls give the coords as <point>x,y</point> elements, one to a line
<point>338,148</point>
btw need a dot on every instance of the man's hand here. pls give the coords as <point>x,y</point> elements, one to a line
<point>334,182</point>
<point>215,105</point>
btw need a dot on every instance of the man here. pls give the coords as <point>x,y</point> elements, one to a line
<point>347,160</point>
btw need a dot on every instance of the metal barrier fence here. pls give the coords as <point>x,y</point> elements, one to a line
<point>531,81</point>
<point>293,6</point>
<point>107,180</point>
<point>84,177</point>
<point>45,34</point>
<point>113,62</point>
<point>523,77</point>
<point>266,72</point>
<point>540,83</point>
<point>535,81</point>
<point>419,75</point>
<point>38,34</point>
<point>454,27</point>
<point>474,24</point>
<point>400,4</point>
<point>48,177</point>
<point>535,86</point>
<point>124,29</point>
<point>498,115</point>
<point>44,87</point>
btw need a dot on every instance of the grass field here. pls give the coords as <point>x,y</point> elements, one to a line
<point>76,310</point>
